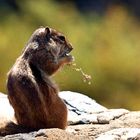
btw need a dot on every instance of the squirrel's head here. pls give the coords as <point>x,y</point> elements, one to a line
<point>48,50</point>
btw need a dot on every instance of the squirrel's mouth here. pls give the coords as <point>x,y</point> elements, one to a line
<point>66,52</point>
<point>66,55</point>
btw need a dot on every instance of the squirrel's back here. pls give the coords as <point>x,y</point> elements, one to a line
<point>31,91</point>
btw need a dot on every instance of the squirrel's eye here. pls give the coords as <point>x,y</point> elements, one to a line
<point>61,38</point>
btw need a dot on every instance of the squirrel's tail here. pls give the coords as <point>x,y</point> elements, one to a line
<point>12,128</point>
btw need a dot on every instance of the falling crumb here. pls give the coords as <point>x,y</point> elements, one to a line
<point>86,78</point>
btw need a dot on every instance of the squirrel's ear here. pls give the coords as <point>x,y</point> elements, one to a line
<point>47,30</point>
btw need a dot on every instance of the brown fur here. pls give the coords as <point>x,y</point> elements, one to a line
<point>31,92</point>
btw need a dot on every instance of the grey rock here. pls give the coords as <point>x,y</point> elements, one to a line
<point>87,121</point>
<point>6,110</point>
<point>81,108</point>
<point>46,134</point>
<point>84,110</point>
<point>111,114</point>
<point>120,134</point>
<point>81,103</point>
<point>131,119</point>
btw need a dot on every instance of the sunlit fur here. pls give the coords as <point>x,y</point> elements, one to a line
<point>31,92</point>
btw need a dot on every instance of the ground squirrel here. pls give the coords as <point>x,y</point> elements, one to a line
<point>31,92</point>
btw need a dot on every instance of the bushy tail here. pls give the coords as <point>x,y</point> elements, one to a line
<point>12,128</point>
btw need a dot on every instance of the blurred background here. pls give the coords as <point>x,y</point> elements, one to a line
<point>105,36</point>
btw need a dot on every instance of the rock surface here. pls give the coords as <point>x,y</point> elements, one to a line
<point>87,120</point>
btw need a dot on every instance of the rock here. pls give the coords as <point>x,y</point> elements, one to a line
<point>131,119</point>
<point>81,103</point>
<point>87,121</point>
<point>5,107</point>
<point>81,108</point>
<point>6,110</point>
<point>42,134</point>
<point>111,114</point>
<point>121,134</point>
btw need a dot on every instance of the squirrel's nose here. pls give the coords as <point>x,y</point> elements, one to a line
<point>70,47</point>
